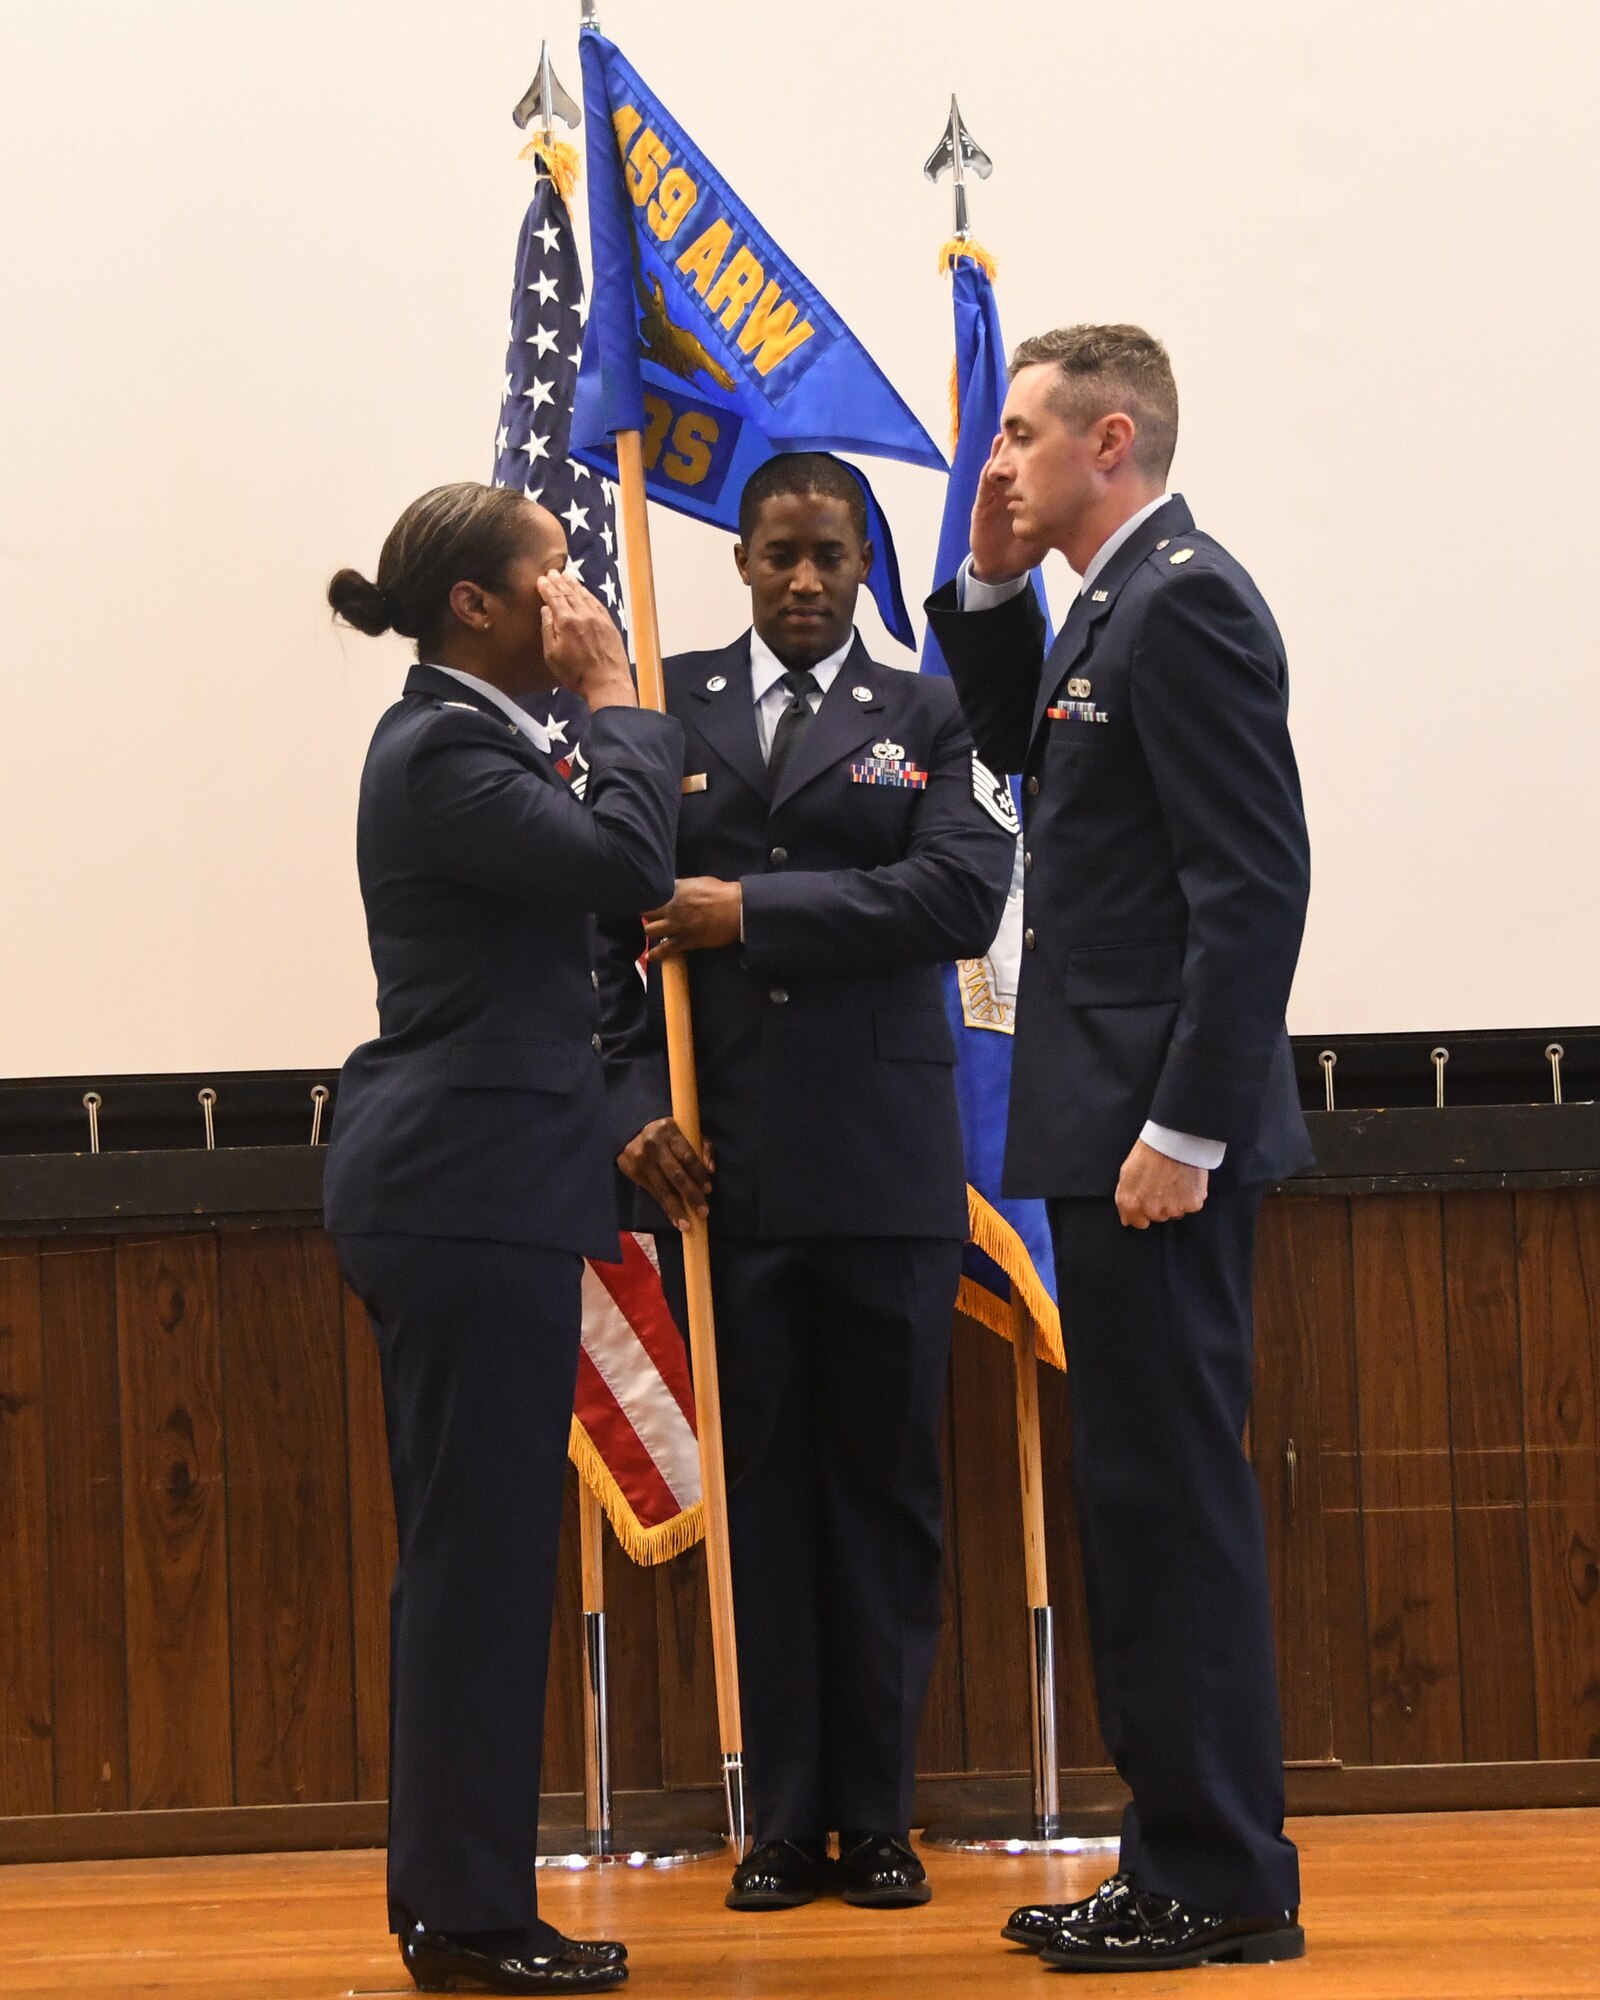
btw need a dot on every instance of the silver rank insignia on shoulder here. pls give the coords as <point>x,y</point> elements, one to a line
<point>1180,555</point>
<point>860,694</point>
<point>994,795</point>
<point>1098,596</point>
<point>471,707</point>
<point>716,683</point>
<point>885,751</point>
<point>1079,690</point>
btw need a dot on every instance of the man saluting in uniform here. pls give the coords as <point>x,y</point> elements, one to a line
<point>1153,1098</point>
<point>837,842</point>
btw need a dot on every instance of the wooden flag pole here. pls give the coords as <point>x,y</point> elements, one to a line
<point>1044,1834</point>
<point>596,1695</point>
<point>1041,1619</point>
<point>696,1244</point>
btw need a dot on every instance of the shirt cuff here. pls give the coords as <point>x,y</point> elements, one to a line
<point>973,594</point>
<point>1185,1147</point>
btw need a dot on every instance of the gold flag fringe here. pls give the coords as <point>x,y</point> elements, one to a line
<point>641,1544</point>
<point>995,1237</point>
<point>951,255</point>
<point>558,159</point>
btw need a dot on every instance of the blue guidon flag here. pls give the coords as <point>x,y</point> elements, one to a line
<point>1010,1247</point>
<point>706,338</point>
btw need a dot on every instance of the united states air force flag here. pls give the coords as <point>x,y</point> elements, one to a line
<point>706,337</point>
<point>1010,1239</point>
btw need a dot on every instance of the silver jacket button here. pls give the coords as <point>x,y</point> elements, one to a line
<point>778,995</point>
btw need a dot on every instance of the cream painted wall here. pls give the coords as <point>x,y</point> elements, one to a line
<point>257,260</point>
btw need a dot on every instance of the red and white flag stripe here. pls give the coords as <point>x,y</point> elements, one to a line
<point>635,1401</point>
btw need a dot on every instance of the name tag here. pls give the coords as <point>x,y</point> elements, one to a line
<point>696,783</point>
<point>1077,711</point>
<point>899,773</point>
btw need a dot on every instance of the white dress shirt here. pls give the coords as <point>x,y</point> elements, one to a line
<point>974,594</point>
<point>534,731</point>
<point>770,695</point>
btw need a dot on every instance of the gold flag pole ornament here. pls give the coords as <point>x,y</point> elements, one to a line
<point>686,1113</point>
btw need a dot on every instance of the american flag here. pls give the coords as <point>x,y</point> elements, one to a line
<point>549,309</point>
<point>633,1435</point>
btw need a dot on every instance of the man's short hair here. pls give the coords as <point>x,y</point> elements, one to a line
<point>1106,368</point>
<point>802,472</point>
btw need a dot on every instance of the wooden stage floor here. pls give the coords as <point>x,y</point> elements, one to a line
<point>1450,1906</point>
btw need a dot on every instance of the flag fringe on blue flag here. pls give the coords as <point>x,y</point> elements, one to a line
<point>1009,1255</point>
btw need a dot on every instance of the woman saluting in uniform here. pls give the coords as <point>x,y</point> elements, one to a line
<point>470,1173</point>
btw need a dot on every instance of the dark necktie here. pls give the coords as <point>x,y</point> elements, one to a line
<point>795,720</point>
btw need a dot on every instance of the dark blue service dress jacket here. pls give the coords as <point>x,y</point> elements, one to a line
<point>825,1056</point>
<point>1166,858</point>
<point>479,1110</point>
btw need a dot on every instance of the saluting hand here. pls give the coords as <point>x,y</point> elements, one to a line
<point>998,555</point>
<point>704,913</point>
<point>661,1161</point>
<point>1153,1188</point>
<point>581,645</point>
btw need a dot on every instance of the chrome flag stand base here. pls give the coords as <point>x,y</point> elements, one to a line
<point>733,1794</point>
<point>1045,1833</point>
<point>602,1846</point>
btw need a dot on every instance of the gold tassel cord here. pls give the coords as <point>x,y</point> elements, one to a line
<point>557,158</point>
<point>641,1544</point>
<point>968,247</point>
<point>951,255</point>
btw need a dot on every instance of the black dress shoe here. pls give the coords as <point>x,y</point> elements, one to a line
<point>879,1872</point>
<point>439,1963</point>
<point>780,1875</point>
<point>1146,1933</point>
<point>1036,1924</point>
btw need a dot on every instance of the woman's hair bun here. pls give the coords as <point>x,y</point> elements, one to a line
<point>359,602</point>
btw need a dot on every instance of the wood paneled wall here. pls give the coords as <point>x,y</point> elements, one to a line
<point>194,1564</point>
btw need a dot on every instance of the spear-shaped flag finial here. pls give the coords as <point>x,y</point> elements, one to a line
<point>957,152</point>
<point>545,100</point>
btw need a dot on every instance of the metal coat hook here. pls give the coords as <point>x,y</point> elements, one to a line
<point>1327,1060</point>
<point>208,1100</point>
<point>92,1101</point>
<point>1439,1058</point>
<point>1552,1056</point>
<point>319,1097</point>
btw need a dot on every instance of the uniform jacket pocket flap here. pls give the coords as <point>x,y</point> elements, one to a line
<point>914,1034</point>
<point>1124,975</point>
<point>513,1066</point>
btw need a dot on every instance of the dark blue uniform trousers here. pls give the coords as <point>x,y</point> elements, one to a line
<point>479,1350</point>
<point>1159,1337</point>
<point>833,1355</point>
